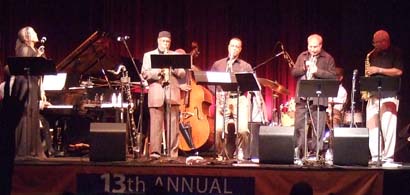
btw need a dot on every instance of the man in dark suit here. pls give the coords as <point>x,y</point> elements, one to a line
<point>163,90</point>
<point>314,63</point>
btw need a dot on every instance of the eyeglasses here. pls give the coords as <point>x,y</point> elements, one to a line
<point>378,42</point>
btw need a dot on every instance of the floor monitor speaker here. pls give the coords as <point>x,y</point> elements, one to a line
<point>351,146</point>
<point>107,142</point>
<point>276,145</point>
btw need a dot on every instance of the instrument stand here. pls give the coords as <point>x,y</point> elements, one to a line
<point>170,61</point>
<point>383,86</point>
<point>317,89</point>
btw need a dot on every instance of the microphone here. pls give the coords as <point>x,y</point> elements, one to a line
<point>43,40</point>
<point>282,48</point>
<point>280,53</point>
<point>123,38</point>
<point>229,63</point>
<point>230,56</point>
<point>42,47</point>
<point>354,74</point>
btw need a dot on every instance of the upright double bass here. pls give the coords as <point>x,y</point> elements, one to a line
<point>196,124</point>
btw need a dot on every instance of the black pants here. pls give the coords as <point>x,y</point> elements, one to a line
<point>300,116</point>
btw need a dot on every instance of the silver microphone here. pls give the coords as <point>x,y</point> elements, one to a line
<point>230,56</point>
<point>43,40</point>
<point>354,74</point>
<point>282,47</point>
<point>123,38</point>
<point>280,53</point>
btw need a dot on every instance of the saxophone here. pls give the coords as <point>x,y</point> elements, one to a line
<point>164,76</point>
<point>164,73</point>
<point>365,95</point>
<point>134,136</point>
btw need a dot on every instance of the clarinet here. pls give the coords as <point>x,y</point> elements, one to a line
<point>352,97</point>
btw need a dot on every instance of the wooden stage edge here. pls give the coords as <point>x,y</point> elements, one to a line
<point>77,175</point>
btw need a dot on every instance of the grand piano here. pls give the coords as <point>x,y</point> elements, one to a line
<point>87,94</point>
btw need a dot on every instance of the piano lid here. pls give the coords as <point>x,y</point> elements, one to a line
<point>98,51</point>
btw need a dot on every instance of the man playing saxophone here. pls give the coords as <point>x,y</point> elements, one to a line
<point>384,61</point>
<point>163,90</point>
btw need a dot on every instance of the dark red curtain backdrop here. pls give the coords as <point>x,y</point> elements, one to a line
<point>347,28</point>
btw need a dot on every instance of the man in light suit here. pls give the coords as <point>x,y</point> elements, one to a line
<point>162,91</point>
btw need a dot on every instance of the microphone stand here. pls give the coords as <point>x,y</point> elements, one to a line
<point>143,85</point>
<point>290,62</point>
<point>309,112</point>
<point>352,98</point>
<point>269,59</point>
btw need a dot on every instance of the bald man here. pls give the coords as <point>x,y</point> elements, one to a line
<point>385,61</point>
<point>314,63</point>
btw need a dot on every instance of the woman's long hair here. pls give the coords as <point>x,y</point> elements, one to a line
<point>23,37</point>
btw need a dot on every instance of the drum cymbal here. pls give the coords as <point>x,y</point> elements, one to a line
<point>274,85</point>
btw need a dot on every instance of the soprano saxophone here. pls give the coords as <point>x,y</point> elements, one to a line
<point>365,95</point>
<point>164,73</point>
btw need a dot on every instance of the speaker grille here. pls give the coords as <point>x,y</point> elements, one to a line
<point>276,145</point>
<point>107,142</point>
<point>351,146</point>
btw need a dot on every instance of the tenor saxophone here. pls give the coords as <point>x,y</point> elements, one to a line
<point>365,95</point>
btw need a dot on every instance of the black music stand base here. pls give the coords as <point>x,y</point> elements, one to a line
<point>316,89</point>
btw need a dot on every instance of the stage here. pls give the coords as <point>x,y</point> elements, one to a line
<point>78,175</point>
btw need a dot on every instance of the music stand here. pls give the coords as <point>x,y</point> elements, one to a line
<point>246,82</point>
<point>385,87</point>
<point>319,88</point>
<point>170,61</point>
<point>227,81</point>
<point>30,66</point>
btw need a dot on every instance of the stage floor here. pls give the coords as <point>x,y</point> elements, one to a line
<point>78,175</point>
